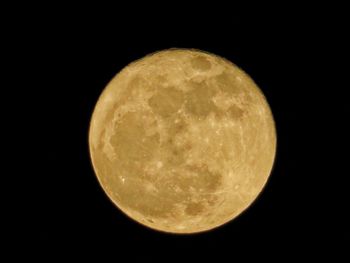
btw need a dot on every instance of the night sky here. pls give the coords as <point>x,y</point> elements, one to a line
<point>302,210</point>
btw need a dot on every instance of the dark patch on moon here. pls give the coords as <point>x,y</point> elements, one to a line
<point>194,208</point>
<point>166,101</point>
<point>199,100</point>
<point>228,83</point>
<point>201,63</point>
<point>235,112</point>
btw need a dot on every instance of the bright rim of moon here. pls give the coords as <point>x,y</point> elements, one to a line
<point>182,141</point>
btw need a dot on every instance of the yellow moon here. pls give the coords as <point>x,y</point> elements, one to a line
<point>182,141</point>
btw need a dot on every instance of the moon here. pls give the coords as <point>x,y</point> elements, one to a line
<point>182,141</point>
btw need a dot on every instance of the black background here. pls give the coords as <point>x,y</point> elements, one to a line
<point>71,55</point>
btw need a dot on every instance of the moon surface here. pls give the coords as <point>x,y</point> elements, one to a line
<point>182,141</point>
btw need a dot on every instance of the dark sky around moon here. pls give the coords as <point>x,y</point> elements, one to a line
<point>68,62</point>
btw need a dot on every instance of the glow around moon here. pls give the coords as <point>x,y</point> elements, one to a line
<point>182,141</point>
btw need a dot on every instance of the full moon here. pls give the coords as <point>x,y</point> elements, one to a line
<point>182,141</point>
